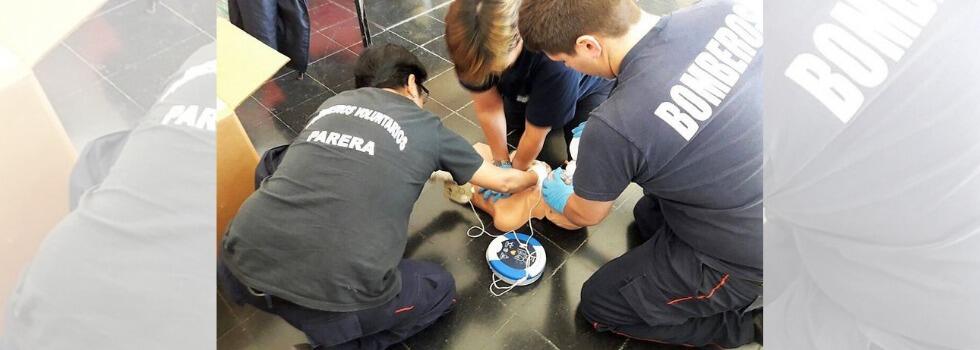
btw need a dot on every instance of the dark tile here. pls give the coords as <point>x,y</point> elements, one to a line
<point>629,197</point>
<point>225,317</point>
<point>437,234</point>
<point>567,240</point>
<point>440,11</point>
<point>200,13</point>
<point>387,13</point>
<point>609,239</point>
<point>464,128</point>
<point>321,46</point>
<point>420,30</point>
<point>147,79</point>
<point>437,108</point>
<point>389,37</point>
<point>281,72</point>
<point>469,112</point>
<point>347,32</point>
<point>334,70</point>
<point>662,7</point>
<point>447,90</point>
<point>263,129</point>
<point>269,331</point>
<point>110,5</point>
<point>127,35</point>
<point>516,335</point>
<point>347,85</point>
<point>61,74</point>
<point>327,14</point>
<point>237,338</point>
<point>439,48</point>
<point>434,65</point>
<point>440,19</point>
<point>434,214</point>
<point>287,91</point>
<point>100,110</point>
<point>296,116</point>
<point>552,311</point>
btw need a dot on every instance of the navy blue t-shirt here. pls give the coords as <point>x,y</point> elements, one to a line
<point>542,91</point>
<point>685,123</point>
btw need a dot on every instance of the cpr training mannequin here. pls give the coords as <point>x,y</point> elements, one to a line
<point>512,212</point>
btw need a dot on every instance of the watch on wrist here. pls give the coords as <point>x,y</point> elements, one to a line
<point>501,163</point>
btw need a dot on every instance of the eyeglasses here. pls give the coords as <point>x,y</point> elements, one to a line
<point>425,93</point>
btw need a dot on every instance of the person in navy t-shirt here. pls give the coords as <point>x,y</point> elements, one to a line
<point>684,122</point>
<point>521,97</point>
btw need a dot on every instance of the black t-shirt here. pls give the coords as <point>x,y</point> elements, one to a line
<point>542,91</point>
<point>687,127</point>
<point>328,228</point>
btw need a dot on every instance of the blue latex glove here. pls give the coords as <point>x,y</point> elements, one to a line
<point>556,191</point>
<point>491,195</point>
<point>577,132</point>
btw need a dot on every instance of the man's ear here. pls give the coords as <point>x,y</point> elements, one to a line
<point>588,46</point>
<point>412,88</point>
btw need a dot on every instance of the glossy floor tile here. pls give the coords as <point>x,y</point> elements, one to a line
<point>539,316</point>
<point>104,76</point>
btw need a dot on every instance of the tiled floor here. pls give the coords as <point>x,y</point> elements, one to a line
<point>106,74</point>
<point>540,316</point>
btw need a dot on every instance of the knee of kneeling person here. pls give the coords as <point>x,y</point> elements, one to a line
<point>588,301</point>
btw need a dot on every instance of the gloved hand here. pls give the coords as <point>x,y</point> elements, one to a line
<point>556,191</point>
<point>491,195</point>
<point>577,132</point>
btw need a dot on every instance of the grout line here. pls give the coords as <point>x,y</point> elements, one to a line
<point>406,39</point>
<point>186,20</point>
<point>503,325</point>
<point>440,20</point>
<point>331,39</point>
<point>433,99</point>
<point>433,39</point>
<point>288,70</point>
<point>97,14</point>
<point>553,346</point>
<point>464,106</point>
<point>104,77</point>
<point>419,15</point>
<point>317,81</point>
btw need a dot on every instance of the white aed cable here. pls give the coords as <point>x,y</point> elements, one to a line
<point>483,231</point>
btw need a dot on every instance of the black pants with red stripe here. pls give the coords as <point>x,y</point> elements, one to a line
<point>428,292</point>
<point>661,292</point>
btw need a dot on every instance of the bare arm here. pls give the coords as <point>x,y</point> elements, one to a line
<point>503,180</point>
<point>530,145</point>
<point>583,212</point>
<point>489,108</point>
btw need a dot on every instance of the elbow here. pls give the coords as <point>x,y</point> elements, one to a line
<point>508,185</point>
<point>580,220</point>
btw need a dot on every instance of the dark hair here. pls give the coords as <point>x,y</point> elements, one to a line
<point>553,26</point>
<point>387,66</point>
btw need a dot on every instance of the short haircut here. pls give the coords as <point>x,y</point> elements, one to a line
<point>387,66</point>
<point>480,34</point>
<point>553,26</point>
